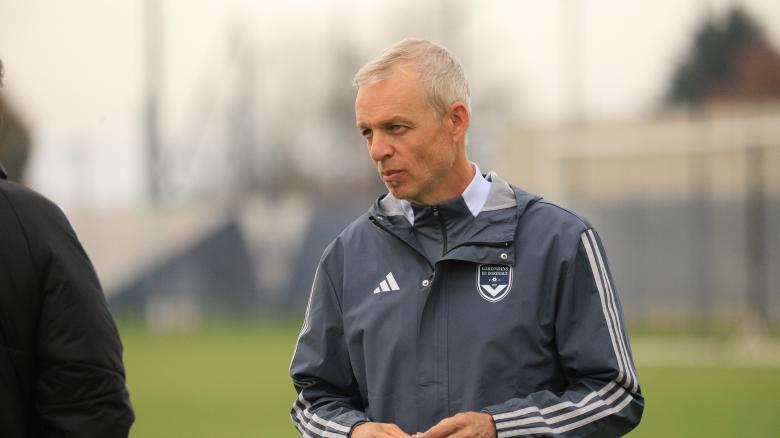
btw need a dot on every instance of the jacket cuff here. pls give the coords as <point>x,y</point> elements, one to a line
<point>349,435</point>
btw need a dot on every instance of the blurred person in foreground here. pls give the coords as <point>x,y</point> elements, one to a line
<point>61,372</point>
<point>458,305</point>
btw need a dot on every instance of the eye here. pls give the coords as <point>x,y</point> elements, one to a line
<point>397,129</point>
<point>365,133</point>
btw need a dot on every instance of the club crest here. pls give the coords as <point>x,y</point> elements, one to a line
<point>494,281</point>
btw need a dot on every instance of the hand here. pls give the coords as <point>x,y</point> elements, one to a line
<point>463,425</point>
<point>377,430</point>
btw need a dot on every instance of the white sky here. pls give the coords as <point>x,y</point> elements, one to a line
<point>75,68</point>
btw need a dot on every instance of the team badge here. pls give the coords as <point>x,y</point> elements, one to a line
<point>494,281</point>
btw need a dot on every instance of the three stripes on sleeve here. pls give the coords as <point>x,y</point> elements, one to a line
<point>611,398</point>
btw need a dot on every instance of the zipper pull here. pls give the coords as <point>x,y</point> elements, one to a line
<point>435,210</point>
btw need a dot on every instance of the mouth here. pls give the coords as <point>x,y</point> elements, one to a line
<point>391,175</point>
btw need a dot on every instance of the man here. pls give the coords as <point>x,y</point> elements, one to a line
<point>61,372</point>
<point>458,305</point>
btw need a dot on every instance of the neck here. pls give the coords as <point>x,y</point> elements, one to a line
<point>453,185</point>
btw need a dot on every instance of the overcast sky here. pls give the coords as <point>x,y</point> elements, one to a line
<point>75,68</point>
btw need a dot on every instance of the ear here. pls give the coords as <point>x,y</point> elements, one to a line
<point>458,116</point>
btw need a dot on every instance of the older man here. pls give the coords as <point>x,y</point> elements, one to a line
<point>458,305</point>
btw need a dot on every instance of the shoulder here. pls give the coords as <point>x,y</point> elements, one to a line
<point>554,213</point>
<point>544,220</point>
<point>349,238</point>
<point>33,217</point>
<point>533,209</point>
<point>29,207</point>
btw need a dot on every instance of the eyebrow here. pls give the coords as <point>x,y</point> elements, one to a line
<point>390,121</point>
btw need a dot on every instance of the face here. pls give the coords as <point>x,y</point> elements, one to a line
<point>418,157</point>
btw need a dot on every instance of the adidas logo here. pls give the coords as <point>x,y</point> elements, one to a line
<point>387,285</point>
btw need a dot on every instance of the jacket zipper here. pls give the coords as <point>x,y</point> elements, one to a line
<point>443,230</point>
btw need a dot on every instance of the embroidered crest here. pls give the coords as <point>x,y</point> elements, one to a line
<point>494,281</point>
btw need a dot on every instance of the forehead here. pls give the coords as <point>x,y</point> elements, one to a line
<point>399,95</point>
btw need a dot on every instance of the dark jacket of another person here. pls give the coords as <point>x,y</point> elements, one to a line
<point>61,372</point>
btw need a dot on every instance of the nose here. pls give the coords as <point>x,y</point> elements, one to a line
<point>380,147</point>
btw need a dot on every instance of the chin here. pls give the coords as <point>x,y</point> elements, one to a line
<point>397,192</point>
<point>401,191</point>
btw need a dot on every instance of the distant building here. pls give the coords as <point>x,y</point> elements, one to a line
<point>175,266</point>
<point>680,201</point>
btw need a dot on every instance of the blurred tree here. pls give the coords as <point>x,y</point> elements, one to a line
<point>14,141</point>
<point>729,59</point>
<point>349,162</point>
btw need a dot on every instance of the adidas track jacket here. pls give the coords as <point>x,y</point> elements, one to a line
<point>517,317</point>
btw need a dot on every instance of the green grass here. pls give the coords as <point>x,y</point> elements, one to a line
<point>231,381</point>
<point>710,401</point>
<point>218,382</point>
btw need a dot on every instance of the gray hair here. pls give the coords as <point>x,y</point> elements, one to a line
<point>441,73</point>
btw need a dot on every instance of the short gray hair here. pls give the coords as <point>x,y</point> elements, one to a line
<point>441,73</point>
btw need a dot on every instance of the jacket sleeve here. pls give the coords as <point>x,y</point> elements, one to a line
<point>329,402</point>
<point>80,382</point>
<point>602,397</point>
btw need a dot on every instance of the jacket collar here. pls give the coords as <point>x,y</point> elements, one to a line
<point>500,195</point>
<point>3,174</point>
<point>488,239</point>
<point>474,196</point>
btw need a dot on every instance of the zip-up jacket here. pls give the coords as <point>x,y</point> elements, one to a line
<point>61,372</point>
<point>512,312</point>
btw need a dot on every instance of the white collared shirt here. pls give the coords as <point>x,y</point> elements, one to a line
<point>475,195</point>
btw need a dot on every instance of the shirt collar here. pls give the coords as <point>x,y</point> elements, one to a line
<point>475,195</point>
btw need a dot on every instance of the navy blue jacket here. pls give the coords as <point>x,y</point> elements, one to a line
<point>517,317</point>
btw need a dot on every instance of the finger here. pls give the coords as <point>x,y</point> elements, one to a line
<point>443,429</point>
<point>378,430</point>
<point>460,434</point>
<point>393,431</point>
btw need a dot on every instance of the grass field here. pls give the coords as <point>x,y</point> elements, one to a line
<point>230,381</point>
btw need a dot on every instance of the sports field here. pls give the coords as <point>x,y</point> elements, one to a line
<point>228,380</point>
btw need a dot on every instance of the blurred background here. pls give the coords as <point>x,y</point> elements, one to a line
<point>206,153</point>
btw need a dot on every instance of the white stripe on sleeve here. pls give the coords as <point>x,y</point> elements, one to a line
<point>607,315</point>
<point>626,378</point>
<point>597,416</point>
<point>622,339</point>
<point>307,420</point>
